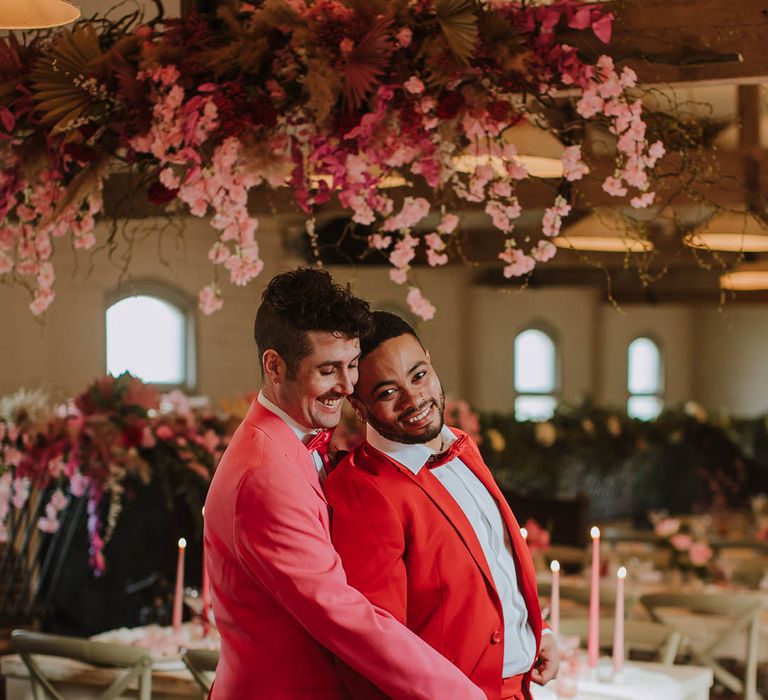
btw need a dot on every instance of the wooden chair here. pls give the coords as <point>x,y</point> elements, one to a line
<point>571,558</point>
<point>639,635</point>
<point>136,662</point>
<point>201,664</point>
<point>580,595</point>
<point>738,611</point>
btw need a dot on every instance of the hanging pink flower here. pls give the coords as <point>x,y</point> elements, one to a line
<point>519,263</point>
<point>420,305</point>
<point>209,300</point>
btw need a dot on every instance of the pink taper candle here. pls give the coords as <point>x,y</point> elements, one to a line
<point>206,593</point>
<point>618,626</point>
<point>178,597</point>
<point>554,602</point>
<point>593,638</point>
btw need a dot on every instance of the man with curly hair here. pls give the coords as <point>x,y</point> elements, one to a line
<point>281,600</point>
<point>424,531</point>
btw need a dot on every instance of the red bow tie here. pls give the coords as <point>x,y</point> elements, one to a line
<point>450,454</point>
<point>318,442</point>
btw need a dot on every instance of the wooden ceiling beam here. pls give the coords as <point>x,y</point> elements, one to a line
<point>689,41</point>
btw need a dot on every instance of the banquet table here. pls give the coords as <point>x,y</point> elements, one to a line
<point>702,631</point>
<point>81,682</point>
<point>642,681</point>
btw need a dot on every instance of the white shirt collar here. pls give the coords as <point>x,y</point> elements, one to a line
<point>413,457</point>
<point>299,430</point>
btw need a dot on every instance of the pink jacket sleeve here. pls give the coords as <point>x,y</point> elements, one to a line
<point>282,543</point>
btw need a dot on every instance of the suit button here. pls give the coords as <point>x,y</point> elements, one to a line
<point>496,637</point>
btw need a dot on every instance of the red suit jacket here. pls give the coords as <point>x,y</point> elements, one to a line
<point>407,545</point>
<point>280,597</point>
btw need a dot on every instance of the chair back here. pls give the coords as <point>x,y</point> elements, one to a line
<point>579,594</point>
<point>201,664</point>
<point>740,614</point>
<point>136,663</point>
<point>639,635</point>
<point>571,558</point>
<point>32,561</point>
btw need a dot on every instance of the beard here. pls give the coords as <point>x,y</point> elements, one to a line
<point>396,434</point>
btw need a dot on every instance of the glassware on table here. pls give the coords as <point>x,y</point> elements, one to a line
<point>567,682</point>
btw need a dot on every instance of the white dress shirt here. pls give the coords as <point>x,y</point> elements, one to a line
<point>485,517</point>
<point>301,432</point>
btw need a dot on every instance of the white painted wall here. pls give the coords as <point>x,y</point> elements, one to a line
<point>495,319</point>
<point>66,349</point>
<point>731,359</point>
<point>671,326</point>
<point>715,357</point>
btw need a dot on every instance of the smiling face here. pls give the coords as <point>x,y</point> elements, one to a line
<point>399,393</point>
<point>313,397</point>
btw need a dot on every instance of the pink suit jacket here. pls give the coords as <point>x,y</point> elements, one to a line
<point>280,595</point>
<point>408,546</point>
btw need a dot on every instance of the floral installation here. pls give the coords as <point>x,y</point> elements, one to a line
<point>92,447</point>
<point>372,103</point>
<point>537,538</point>
<point>677,462</point>
<point>690,551</point>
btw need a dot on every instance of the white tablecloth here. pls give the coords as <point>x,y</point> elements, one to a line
<point>641,681</point>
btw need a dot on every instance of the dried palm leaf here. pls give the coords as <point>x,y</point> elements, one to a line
<point>63,78</point>
<point>503,42</point>
<point>367,61</point>
<point>11,66</point>
<point>458,22</point>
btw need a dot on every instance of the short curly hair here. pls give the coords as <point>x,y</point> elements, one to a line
<point>384,326</point>
<point>305,300</point>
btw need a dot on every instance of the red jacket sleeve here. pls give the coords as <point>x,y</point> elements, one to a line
<point>281,542</point>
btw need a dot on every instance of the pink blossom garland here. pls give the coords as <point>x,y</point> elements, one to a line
<point>450,138</point>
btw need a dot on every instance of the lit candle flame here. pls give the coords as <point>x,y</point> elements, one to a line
<point>595,532</point>
<point>203,511</point>
<point>524,533</point>
<point>622,572</point>
<point>182,543</point>
<point>555,566</point>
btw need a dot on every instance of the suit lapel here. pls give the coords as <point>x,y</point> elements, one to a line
<point>439,495</point>
<point>295,452</point>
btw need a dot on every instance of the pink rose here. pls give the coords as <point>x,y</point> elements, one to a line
<point>681,542</point>
<point>667,527</point>
<point>164,432</point>
<point>700,553</point>
<point>414,85</point>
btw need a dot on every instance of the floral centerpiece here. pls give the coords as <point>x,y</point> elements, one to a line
<point>691,553</point>
<point>374,103</point>
<point>93,446</point>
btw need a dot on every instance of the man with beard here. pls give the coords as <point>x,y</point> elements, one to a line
<point>282,603</point>
<point>424,532</point>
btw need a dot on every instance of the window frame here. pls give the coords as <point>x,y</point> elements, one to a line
<point>185,305</point>
<point>661,392</point>
<point>550,332</point>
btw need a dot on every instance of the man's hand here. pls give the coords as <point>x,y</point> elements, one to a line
<point>545,668</point>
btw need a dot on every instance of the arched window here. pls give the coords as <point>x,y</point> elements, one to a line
<point>536,376</point>
<point>645,379</point>
<point>150,333</point>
